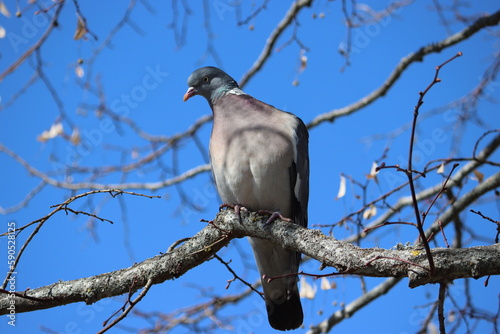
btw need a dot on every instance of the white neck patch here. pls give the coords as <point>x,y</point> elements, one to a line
<point>236,91</point>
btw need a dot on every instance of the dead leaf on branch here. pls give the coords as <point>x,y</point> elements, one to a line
<point>4,10</point>
<point>326,284</point>
<point>307,290</point>
<point>373,172</point>
<point>79,71</point>
<point>342,189</point>
<point>370,212</point>
<point>81,28</point>
<point>75,138</point>
<point>441,169</point>
<point>55,130</point>
<point>479,176</point>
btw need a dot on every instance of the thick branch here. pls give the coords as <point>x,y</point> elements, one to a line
<point>91,289</point>
<point>376,262</point>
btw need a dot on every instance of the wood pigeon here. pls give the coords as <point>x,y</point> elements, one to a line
<point>260,161</point>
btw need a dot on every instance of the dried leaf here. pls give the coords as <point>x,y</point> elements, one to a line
<point>327,285</point>
<point>373,172</point>
<point>341,192</point>
<point>79,71</point>
<point>4,10</point>
<point>2,32</point>
<point>55,130</point>
<point>81,28</point>
<point>307,290</point>
<point>303,61</point>
<point>479,176</point>
<point>370,212</point>
<point>441,169</point>
<point>452,316</point>
<point>432,328</point>
<point>75,137</point>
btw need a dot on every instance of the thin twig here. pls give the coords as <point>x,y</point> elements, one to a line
<point>444,236</point>
<point>409,171</point>
<point>100,186</point>
<point>176,243</point>
<point>254,14</point>
<point>60,207</point>
<point>126,311</point>
<point>441,299</point>
<point>443,189</point>
<point>236,277</point>
<point>417,56</point>
<point>479,140</point>
<point>19,61</point>
<point>273,38</point>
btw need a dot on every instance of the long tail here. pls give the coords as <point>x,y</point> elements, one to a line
<point>283,305</point>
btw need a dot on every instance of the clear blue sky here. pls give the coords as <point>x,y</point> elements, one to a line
<point>143,76</point>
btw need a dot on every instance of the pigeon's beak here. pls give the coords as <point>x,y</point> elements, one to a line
<point>189,94</point>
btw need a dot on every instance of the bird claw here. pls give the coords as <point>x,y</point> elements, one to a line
<point>236,207</point>
<point>274,216</point>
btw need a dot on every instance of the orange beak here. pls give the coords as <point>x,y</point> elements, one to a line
<point>189,94</point>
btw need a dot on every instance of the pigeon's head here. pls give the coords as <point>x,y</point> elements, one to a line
<point>209,82</point>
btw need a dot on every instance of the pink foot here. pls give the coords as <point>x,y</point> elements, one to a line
<point>236,207</point>
<point>274,216</point>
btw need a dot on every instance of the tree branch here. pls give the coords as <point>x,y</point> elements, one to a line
<point>118,186</point>
<point>273,38</point>
<point>478,25</point>
<point>343,256</point>
<point>354,306</point>
<point>19,61</point>
<point>455,180</point>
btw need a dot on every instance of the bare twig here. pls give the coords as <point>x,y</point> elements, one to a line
<point>29,196</point>
<point>491,220</point>
<point>291,14</point>
<point>176,243</point>
<point>456,179</point>
<point>478,25</point>
<point>236,276</point>
<point>123,21</point>
<point>441,299</point>
<point>131,304</point>
<point>19,61</point>
<point>60,207</point>
<point>409,171</point>
<point>254,14</point>
<point>118,186</point>
<point>479,140</point>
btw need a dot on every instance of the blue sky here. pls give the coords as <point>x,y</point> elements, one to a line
<point>143,74</point>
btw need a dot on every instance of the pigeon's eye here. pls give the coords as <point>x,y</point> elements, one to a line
<point>205,78</point>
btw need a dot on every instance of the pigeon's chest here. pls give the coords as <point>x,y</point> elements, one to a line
<point>251,161</point>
